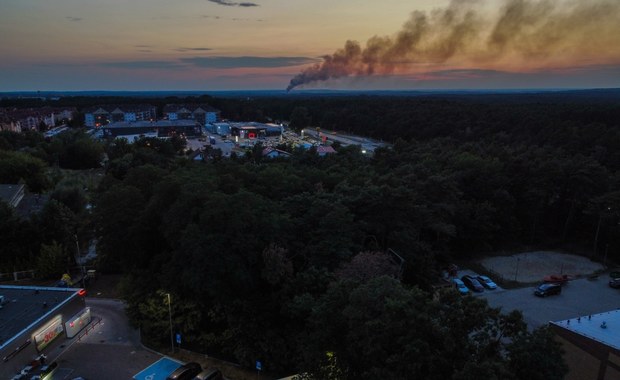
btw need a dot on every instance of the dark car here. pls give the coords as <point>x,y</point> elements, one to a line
<point>548,289</point>
<point>472,283</point>
<point>185,372</point>
<point>615,283</point>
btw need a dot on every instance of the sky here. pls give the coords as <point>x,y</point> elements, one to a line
<point>202,45</point>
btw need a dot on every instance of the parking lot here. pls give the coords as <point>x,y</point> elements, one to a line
<point>578,298</point>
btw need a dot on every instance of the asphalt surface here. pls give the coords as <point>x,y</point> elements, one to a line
<point>580,297</point>
<point>111,350</point>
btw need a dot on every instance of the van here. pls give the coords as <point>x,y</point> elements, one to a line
<point>209,374</point>
<point>185,372</point>
<point>548,289</point>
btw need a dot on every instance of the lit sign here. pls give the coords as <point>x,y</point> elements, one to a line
<point>48,333</point>
<point>76,323</point>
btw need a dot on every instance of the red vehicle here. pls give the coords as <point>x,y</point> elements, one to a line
<point>558,278</point>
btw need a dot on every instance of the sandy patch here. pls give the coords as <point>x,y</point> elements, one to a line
<point>533,266</point>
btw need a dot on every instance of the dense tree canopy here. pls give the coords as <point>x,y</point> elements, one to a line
<point>285,260</point>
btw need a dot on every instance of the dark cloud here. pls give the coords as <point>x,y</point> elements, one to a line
<point>142,64</point>
<point>228,3</point>
<point>143,46</point>
<point>70,18</point>
<point>184,49</point>
<point>238,62</point>
<point>209,16</point>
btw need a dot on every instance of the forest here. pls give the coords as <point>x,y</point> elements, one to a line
<point>289,260</point>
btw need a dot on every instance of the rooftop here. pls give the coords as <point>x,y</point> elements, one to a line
<point>603,327</point>
<point>152,124</point>
<point>124,108</point>
<point>11,193</point>
<point>168,108</point>
<point>25,305</point>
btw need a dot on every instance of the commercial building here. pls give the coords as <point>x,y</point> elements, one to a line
<point>160,128</point>
<point>37,322</point>
<point>254,130</point>
<point>591,345</point>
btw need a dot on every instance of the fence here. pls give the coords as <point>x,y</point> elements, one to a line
<point>16,276</point>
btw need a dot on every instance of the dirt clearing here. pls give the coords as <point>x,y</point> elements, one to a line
<point>530,267</point>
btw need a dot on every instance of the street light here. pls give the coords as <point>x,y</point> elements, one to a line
<point>598,229</point>
<point>170,319</point>
<point>517,270</point>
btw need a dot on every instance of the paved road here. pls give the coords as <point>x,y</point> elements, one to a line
<point>111,350</point>
<point>366,143</point>
<point>578,298</point>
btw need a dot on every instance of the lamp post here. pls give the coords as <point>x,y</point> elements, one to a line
<point>170,319</point>
<point>517,270</point>
<point>598,229</point>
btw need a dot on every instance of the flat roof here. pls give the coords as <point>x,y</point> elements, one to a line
<point>24,305</point>
<point>602,327</point>
<point>9,191</point>
<point>152,124</point>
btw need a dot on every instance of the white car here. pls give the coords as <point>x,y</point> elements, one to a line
<point>487,282</point>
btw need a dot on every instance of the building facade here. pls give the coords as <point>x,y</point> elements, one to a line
<point>161,128</point>
<point>201,113</point>
<point>99,116</point>
<point>36,321</point>
<point>591,345</point>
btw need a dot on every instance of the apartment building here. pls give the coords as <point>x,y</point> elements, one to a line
<point>201,113</point>
<point>98,116</point>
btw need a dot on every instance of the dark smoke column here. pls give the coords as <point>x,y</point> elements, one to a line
<point>344,62</point>
<point>317,72</point>
<point>529,34</point>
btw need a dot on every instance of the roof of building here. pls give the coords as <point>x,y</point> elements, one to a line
<point>152,124</point>
<point>9,192</point>
<point>23,306</point>
<point>123,108</point>
<point>602,327</point>
<point>279,152</point>
<point>325,149</point>
<point>190,107</point>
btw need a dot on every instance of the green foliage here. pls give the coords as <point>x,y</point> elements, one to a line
<point>73,197</point>
<point>537,356</point>
<point>52,261</point>
<point>20,240</point>
<point>300,118</point>
<point>263,258</point>
<point>17,166</point>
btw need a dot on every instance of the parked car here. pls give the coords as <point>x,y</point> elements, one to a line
<point>460,286</point>
<point>209,374</point>
<point>558,278</point>
<point>487,282</point>
<point>548,289</point>
<point>615,283</point>
<point>472,283</point>
<point>185,372</point>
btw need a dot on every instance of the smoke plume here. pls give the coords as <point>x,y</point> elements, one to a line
<point>522,35</point>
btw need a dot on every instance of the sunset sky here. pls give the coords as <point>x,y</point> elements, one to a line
<point>263,44</point>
